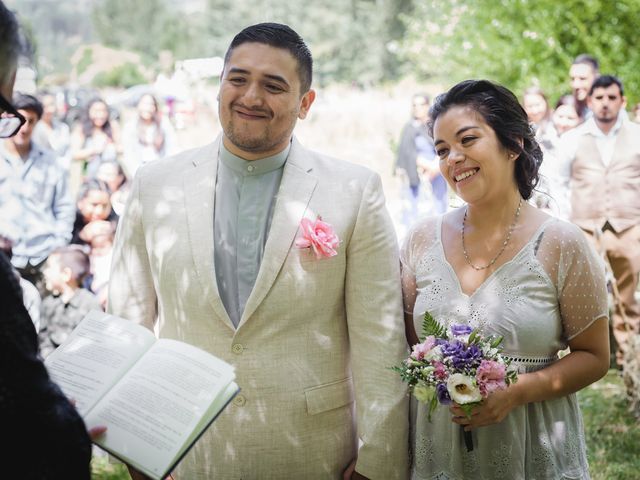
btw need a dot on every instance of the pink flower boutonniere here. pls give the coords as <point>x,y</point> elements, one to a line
<point>318,236</point>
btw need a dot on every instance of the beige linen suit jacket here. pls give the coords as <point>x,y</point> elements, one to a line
<point>317,337</point>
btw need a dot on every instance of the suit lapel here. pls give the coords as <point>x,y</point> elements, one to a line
<point>294,194</point>
<point>199,190</point>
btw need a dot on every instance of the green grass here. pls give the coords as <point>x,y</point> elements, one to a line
<point>101,469</point>
<point>612,433</point>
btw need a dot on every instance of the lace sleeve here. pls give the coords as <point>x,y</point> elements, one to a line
<point>580,278</point>
<point>419,239</point>
<point>409,287</point>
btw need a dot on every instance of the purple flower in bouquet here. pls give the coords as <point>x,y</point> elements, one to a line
<point>462,356</point>
<point>458,330</point>
<point>452,348</point>
<point>443,394</point>
<point>455,364</point>
<point>470,357</point>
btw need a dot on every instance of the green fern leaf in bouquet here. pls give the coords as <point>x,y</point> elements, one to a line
<point>431,327</point>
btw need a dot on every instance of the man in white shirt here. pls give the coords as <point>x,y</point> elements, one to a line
<point>600,159</point>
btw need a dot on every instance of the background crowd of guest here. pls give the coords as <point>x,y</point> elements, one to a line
<point>590,175</point>
<point>62,189</point>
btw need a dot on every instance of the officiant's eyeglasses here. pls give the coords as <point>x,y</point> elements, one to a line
<point>10,120</point>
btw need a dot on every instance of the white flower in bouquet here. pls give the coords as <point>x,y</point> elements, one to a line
<point>463,389</point>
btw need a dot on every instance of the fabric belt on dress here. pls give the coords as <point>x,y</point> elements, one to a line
<point>531,360</point>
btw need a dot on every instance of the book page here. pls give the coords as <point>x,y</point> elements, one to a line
<point>155,408</point>
<point>97,353</point>
<point>220,403</point>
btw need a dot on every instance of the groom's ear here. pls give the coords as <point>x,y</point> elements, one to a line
<point>305,103</point>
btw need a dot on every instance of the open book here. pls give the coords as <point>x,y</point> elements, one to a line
<point>157,397</point>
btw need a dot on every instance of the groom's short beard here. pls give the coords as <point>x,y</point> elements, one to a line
<point>261,143</point>
<point>247,143</point>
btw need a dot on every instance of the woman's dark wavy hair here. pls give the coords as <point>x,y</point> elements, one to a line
<point>501,110</point>
<point>87,123</point>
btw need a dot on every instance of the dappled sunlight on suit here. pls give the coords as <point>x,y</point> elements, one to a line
<point>316,337</point>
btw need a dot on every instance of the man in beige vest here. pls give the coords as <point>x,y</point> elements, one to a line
<point>601,158</point>
<point>284,263</point>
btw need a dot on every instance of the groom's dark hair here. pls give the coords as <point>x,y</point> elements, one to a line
<point>279,36</point>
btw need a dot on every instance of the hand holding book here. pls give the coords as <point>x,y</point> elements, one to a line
<point>156,397</point>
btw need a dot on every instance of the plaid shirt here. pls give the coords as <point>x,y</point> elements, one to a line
<point>36,207</point>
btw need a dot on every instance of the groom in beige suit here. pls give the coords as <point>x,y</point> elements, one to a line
<point>211,251</point>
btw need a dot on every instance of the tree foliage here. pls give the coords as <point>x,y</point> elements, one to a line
<point>143,26</point>
<point>126,75</point>
<point>366,42</point>
<point>352,40</point>
<point>54,33</point>
<point>523,42</point>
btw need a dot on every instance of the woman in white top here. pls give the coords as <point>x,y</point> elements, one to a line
<point>96,139</point>
<point>149,137</point>
<point>549,194</point>
<point>503,266</point>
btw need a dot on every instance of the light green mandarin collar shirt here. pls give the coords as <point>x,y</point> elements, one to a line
<point>245,197</point>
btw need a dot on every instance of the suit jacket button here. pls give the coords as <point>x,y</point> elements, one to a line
<point>237,348</point>
<point>239,401</point>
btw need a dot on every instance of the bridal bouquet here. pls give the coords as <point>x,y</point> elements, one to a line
<point>456,364</point>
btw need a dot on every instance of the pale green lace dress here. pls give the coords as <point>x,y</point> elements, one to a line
<point>549,292</point>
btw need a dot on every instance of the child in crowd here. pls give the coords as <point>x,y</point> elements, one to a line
<point>113,175</point>
<point>94,215</point>
<point>100,260</point>
<point>64,274</point>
